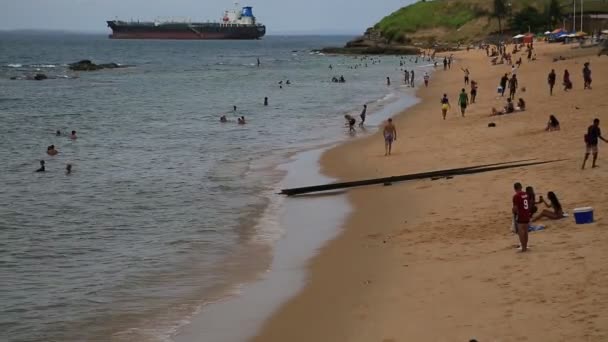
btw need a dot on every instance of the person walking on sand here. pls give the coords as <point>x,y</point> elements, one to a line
<point>503,84</point>
<point>390,135</point>
<point>463,101</point>
<point>592,138</point>
<point>445,105</point>
<point>551,80</point>
<point>473,91</point>
<point>512,87</point>
<point>521,212</point>
<point>587,76</point>
<point>567,83</point>
<point>363,115</point>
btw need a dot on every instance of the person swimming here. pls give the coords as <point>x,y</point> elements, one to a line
<point>51,151</point>
<point>241,120</point>
<point>73,135</point>
<point>223,118</point>
<point>41,169</point>
<point>58,133</point>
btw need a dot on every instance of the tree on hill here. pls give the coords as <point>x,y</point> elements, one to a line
<point>554,13</point>
<point>500,11</point>
<point>528,19</point>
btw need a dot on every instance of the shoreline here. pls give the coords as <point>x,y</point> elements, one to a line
<point>294,245</point>
<point>433,260</point>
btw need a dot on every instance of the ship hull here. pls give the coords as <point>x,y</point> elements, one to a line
<point>182,31</point>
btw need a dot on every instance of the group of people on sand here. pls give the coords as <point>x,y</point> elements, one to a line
<point>567,82</point>
<point>52,151</point>
<point>525,207</point>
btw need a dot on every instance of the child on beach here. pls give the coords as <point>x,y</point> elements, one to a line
<point>350,122</point>
<point>390,135</point>
<point>426,79</point>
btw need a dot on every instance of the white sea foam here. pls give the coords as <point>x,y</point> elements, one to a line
<point>15,65</point>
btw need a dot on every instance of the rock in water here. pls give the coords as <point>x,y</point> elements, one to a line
<point>87,65</point>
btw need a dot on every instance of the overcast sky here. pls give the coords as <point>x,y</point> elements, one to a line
<point>279,16</point>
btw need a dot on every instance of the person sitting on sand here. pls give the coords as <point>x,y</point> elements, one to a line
<point>350,122</point>
<point>223,118</point>
<point>51,151</point>
<point>557,212</point>
<point>532,200</point>
<point>509,108</point>
<point>521,105</point>
<point>73,135</point>
<point>553,124</point>
<point>445,105</point>
<point>390,135</point>
<point>41,169</point>
<point>241,120</point>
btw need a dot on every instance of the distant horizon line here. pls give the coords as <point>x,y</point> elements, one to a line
<point>284,33</point>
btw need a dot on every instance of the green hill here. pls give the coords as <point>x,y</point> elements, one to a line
<point>464,20</point>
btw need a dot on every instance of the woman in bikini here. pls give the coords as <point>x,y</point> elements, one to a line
<point>557,212</point>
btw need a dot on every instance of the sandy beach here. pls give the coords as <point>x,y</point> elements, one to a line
<point>435,260</point>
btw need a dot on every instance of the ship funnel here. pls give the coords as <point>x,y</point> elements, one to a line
<point>247,12</point>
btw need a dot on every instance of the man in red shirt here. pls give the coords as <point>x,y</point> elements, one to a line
<point>521,210</point>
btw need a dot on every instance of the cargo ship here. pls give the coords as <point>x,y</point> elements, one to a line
<point>235,24</point>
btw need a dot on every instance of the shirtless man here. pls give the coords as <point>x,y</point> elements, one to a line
<point>390,135</point>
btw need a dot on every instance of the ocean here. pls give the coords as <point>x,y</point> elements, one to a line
<point>167,209</point>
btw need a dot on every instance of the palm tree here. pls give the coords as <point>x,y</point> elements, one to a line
<point>500,11</point>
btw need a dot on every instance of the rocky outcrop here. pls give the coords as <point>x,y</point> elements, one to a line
<point>372,43</point>
<point>87,65</point>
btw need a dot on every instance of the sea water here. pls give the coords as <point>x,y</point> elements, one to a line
<point>166,209</point>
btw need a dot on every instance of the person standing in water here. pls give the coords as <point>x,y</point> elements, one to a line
<point>73,135</point>
<point>426,79</point>
<point>406,77</point>
<point>259,62</point>
<point>266,101</point>
<point>363,115</point>
<point>390,135</point>
<point>592,139</point>
<point>388,81</point>
<point>551,80</point>
<point>463,101</point>
<point>68,169</point>
<point>412,78</point>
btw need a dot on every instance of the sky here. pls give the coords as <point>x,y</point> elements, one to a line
<point>279,16</point>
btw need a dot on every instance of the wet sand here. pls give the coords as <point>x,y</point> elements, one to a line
<point>435,260</point>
